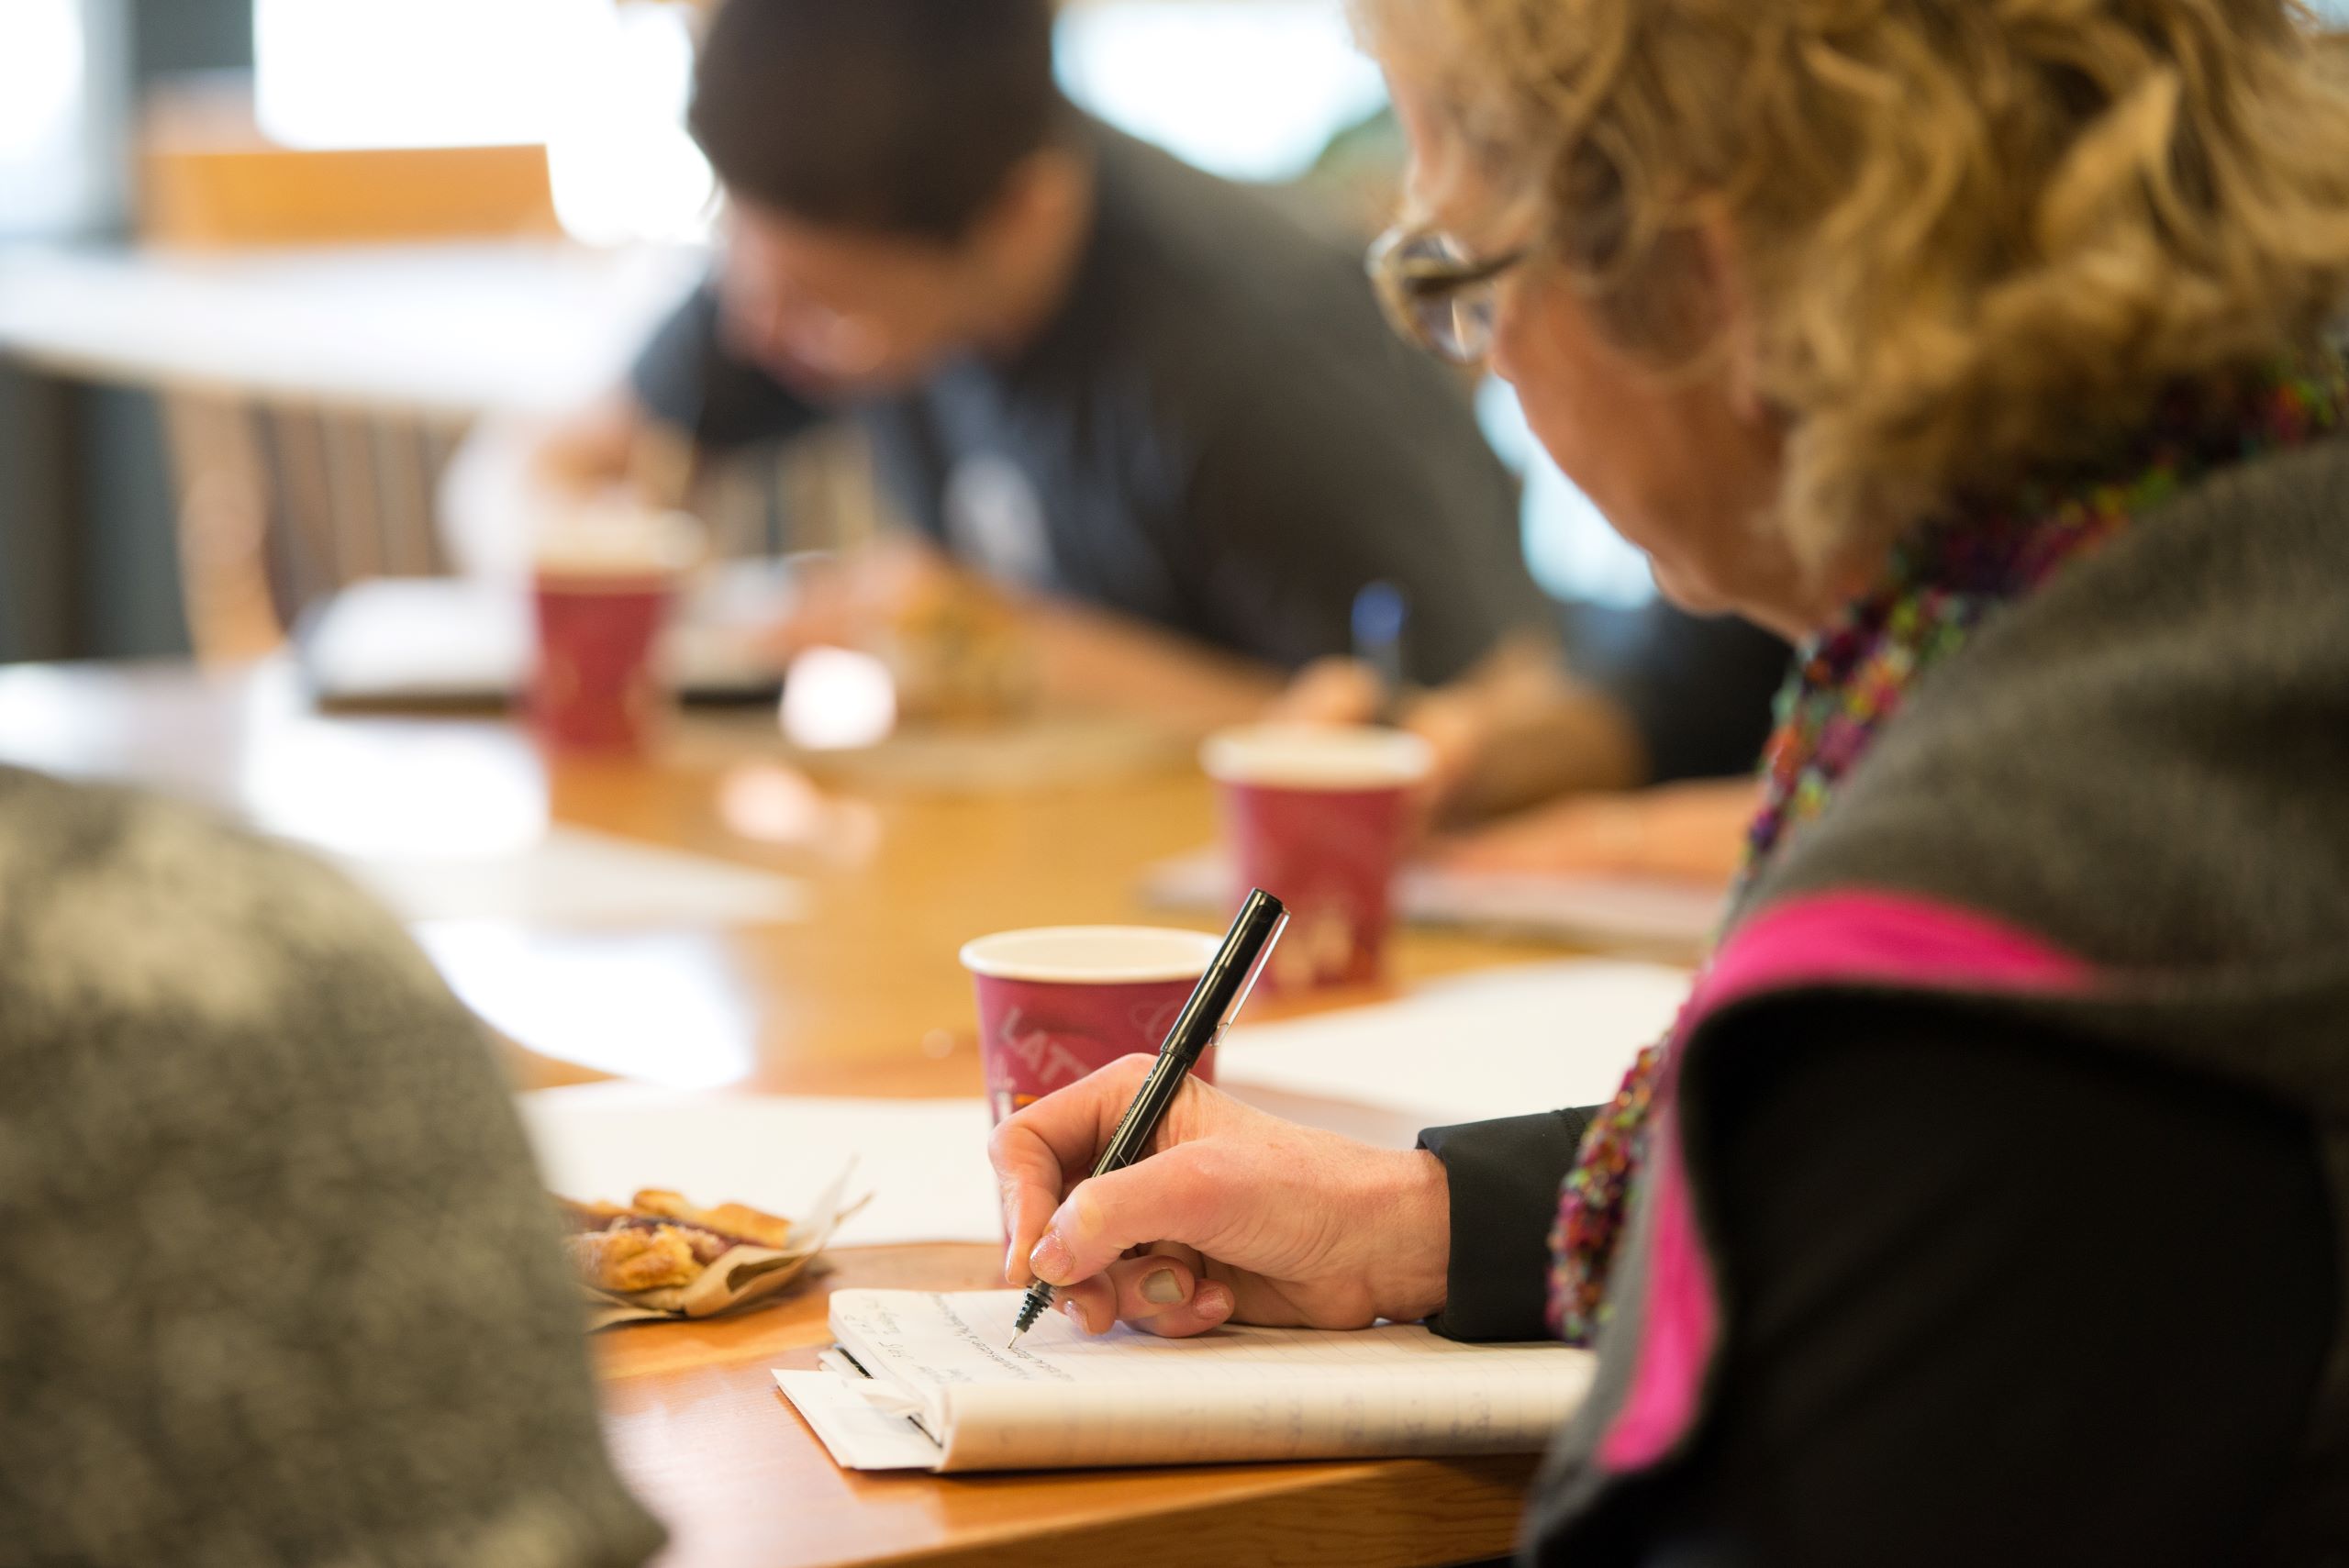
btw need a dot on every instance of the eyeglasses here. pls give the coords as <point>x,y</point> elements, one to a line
<point>1435,294</point>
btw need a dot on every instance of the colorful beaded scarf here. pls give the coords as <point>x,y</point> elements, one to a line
<point>1848,681</point>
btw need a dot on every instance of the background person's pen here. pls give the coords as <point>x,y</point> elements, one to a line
<point>1380,615</point>
<point>1214,1002</point>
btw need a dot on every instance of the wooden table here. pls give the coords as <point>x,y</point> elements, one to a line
<point>863,998</point>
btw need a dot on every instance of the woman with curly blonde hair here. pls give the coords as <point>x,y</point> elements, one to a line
<point>1988,1202</point>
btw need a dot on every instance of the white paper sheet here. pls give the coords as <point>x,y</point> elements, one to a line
<point>1648,916</point>
<point>575,878</point>
<point>436,639</point>
<point>1059,1398</point>
<point>923,1161</point>
<point>858,1433</point>
<point>1503,1042</point>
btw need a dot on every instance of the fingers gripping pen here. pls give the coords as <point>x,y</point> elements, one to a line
<point>1214,1002</point>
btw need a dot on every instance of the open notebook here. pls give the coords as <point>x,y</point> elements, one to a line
<point>921,1380</point>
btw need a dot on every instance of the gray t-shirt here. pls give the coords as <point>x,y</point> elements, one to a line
<point>1217,434</point>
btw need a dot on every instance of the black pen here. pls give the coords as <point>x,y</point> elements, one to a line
<point>1215,1002</point>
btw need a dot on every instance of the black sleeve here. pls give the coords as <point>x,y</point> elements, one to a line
<point>684,377</point>
<point>1697,688</point>
<point>1303,499</point>
<point>1990,1297</point>
<point>1504,1178</point>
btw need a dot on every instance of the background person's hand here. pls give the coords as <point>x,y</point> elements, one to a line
<point>1518,728</point>
<point>1347,691</point>
<point>1235,1215</point>
<point>1335,690</point>
<point>860,598</point>
<point>517,477</point>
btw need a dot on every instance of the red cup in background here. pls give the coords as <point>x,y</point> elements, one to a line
<point>1059,1001</point>
<point>1319,816</point>
<point>597,686</point>
<point>603,586</point>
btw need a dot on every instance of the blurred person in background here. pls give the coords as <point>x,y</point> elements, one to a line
<point>280,1284</point>
<point>1155,410</point>
<point>1986,1203</point>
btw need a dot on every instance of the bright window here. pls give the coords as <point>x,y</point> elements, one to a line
<point>416,72</point>
<point>1250,88</point>
<point>46,165</point>
<point>602,82</point>
<point>1253,89</point>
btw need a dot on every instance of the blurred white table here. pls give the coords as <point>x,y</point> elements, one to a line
<point>455,331</point>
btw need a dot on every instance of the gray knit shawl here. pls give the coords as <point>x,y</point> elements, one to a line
<point>277,1283</point>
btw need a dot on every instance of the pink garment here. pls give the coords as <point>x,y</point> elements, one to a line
<point>1897,940</point>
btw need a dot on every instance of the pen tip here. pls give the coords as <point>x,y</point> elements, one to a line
<point>1013,1342</point>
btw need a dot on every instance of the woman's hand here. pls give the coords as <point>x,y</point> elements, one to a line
<point>1233,1215</point>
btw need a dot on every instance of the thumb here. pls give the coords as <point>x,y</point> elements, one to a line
<point>1172,1197</point>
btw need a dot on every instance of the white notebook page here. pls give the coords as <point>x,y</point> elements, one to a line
<point>1062,1399</point>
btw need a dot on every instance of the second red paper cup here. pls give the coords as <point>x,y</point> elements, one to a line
<point>1058,1002</point>
<point>1319,816</point>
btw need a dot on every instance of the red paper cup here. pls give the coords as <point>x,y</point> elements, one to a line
<point>1318,816</point>
<point>598,687</point>
<point>605,575</point>
<point>1059,1001</point>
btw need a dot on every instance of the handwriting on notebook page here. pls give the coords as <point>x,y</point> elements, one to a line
<point>1247,1393</point>
<point>945,1336</point>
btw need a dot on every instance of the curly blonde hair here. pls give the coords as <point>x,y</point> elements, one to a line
<point>1974,238</point>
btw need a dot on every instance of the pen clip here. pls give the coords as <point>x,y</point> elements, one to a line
<point>1255,971</point>
<point>1224,988</point>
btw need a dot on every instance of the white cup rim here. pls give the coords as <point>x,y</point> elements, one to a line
<point>1091,955</point>
<point>1316,757</point>
<point>609,541</point>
